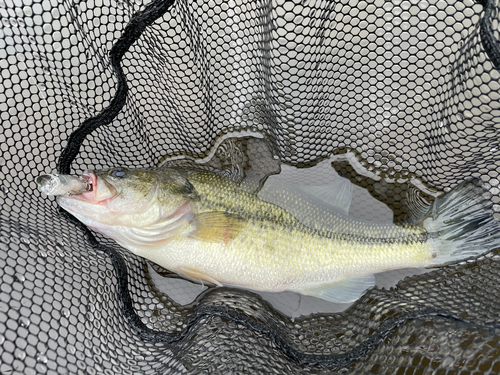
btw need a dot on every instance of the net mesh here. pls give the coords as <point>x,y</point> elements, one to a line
<point>409,88</point>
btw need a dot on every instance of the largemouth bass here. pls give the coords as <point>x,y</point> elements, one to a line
<point>202,226</point>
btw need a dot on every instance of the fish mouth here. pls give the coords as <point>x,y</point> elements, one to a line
<point>91,179</point>
<point>99,191</point>
<point>90,206</point>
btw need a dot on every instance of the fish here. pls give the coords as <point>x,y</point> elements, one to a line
<point>201,225</point>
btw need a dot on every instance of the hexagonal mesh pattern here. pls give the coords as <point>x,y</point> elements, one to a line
<point>407,88</point>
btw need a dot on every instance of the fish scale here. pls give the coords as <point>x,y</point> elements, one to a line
<point>227,196</point>
<point>202,226</point>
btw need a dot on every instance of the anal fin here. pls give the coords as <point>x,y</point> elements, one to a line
<point>344,291</point>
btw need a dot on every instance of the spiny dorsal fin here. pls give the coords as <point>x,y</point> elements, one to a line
<point>216,226</point>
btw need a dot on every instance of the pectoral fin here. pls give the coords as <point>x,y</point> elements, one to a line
<point>197,275</point>
<point>342,291</point>
<point>216,226</point>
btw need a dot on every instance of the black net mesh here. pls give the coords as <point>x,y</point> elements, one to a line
<point>403,89</point>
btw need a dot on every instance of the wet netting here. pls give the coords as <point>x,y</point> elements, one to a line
<point>408,88</point>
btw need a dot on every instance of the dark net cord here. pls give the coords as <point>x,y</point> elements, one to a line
<point>490,44</point>
<point>272,329</point>
<point>132,32</point>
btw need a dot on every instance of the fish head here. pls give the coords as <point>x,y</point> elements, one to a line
<point>129,197</point>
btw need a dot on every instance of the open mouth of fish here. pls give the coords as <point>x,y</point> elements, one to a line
<point>91,179</point>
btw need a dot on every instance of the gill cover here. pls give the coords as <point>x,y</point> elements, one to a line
<point>154,207</point>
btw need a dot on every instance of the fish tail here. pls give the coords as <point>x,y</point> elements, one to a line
<point>461,225</point>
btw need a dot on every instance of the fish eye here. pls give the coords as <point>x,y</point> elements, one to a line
<point>118,172</point>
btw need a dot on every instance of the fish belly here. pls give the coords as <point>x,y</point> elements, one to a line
<point>278,259</point>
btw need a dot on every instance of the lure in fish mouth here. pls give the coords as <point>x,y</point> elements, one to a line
<point>200,225</point>
<point>55,184</point>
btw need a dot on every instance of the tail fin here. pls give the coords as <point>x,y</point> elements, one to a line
<point>461,224</point>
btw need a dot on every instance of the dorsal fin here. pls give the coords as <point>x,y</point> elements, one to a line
<point>314,206</point>
<point>337,194</point>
